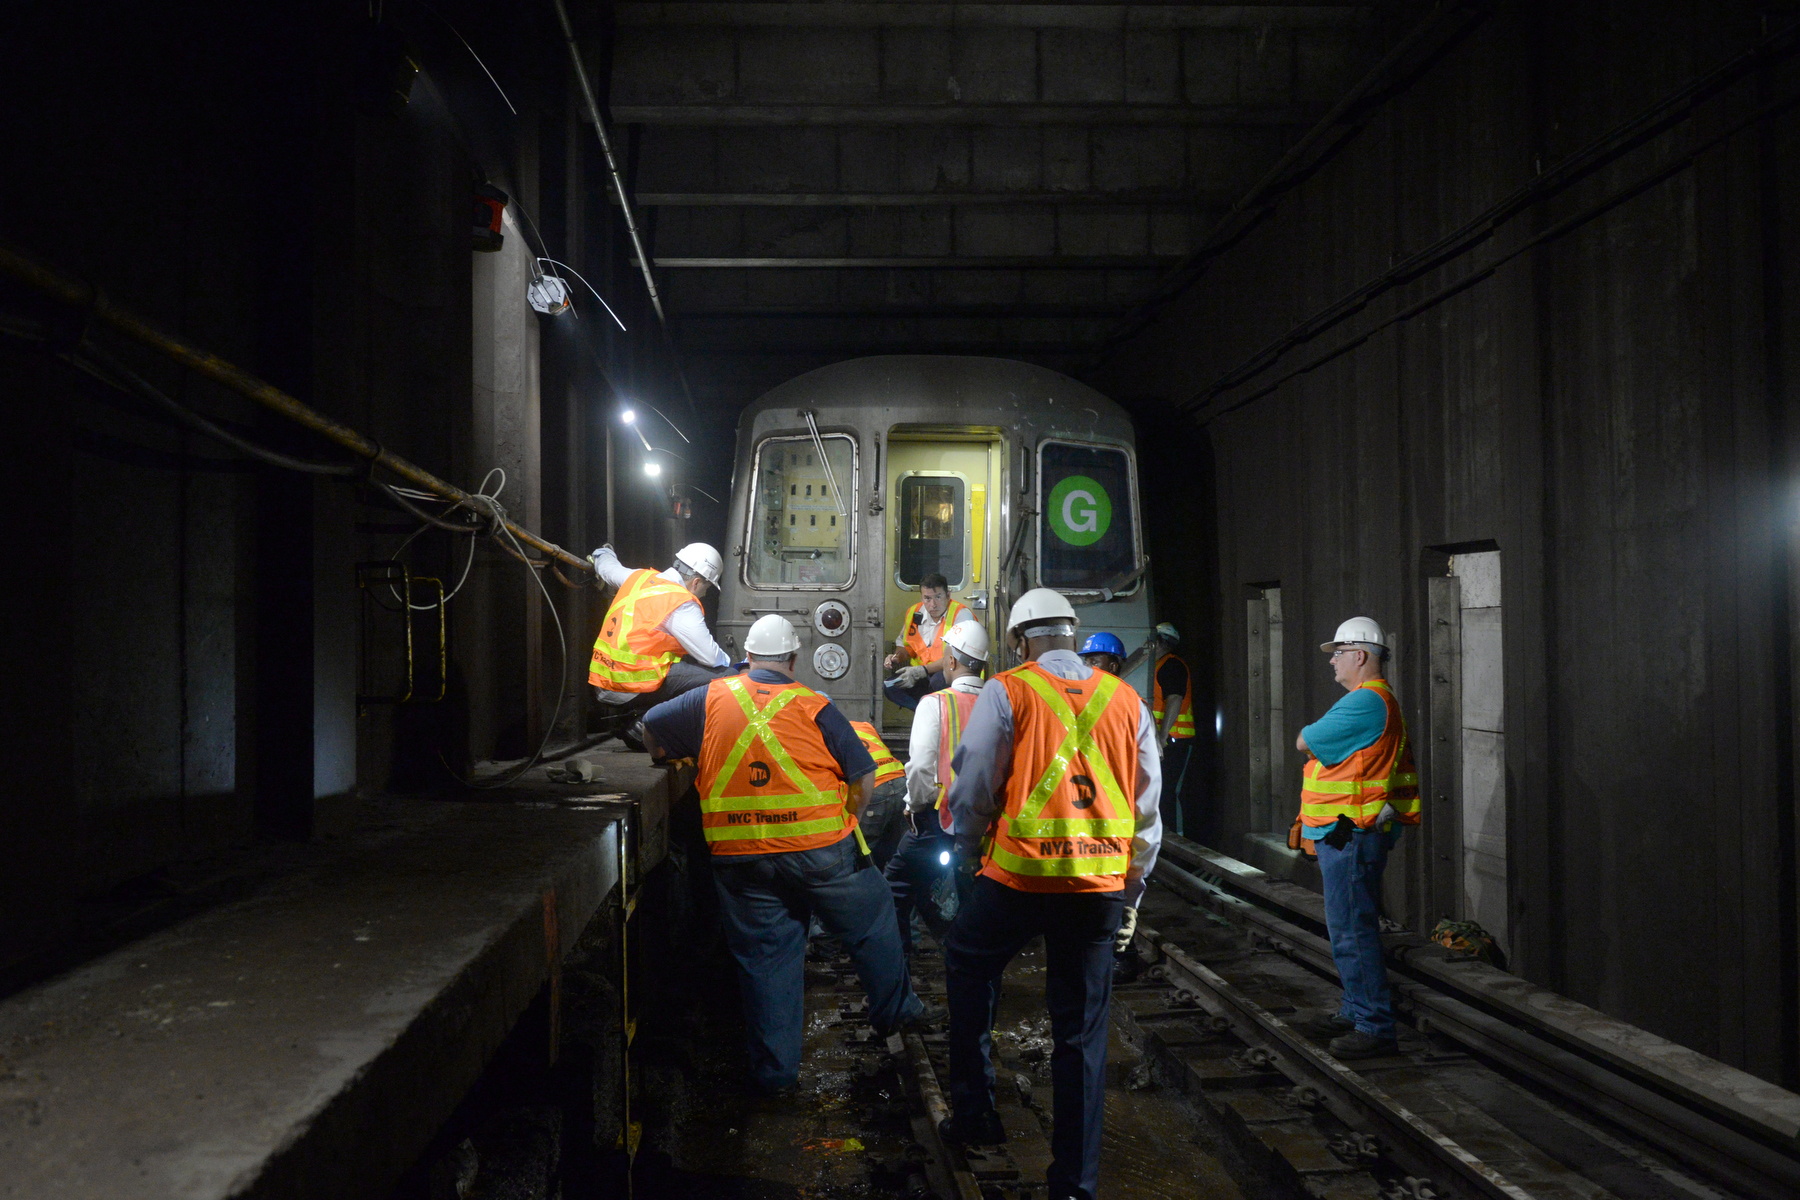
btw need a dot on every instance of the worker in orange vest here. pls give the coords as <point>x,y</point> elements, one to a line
<point>782,779</point>
<point>654,644</point>
<point>923,858</point>
<point>919,652</point>
<point>1055,812</point>
<point>1359,788</point>
<point>881,819</point>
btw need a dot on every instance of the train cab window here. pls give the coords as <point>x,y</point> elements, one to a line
<point>1087,524</point>
<point>802,531</point>
<point>933,529</point>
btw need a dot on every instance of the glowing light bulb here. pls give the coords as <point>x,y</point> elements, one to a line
<point>652,469</point>
<point>628,416</point>
<point>944,858</point>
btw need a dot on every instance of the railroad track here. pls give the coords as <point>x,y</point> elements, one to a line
<point>1501,1089</point>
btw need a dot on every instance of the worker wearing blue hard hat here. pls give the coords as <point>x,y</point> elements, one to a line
<point>1104,652</point>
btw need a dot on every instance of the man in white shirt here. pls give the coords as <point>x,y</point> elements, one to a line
<point>922,859</point>
<point>654,643</point>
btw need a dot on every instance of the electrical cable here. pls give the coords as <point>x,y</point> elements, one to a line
<point>590,287</point>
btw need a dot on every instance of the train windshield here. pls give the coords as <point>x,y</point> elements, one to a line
<point>932,529</point>
<point>800,526</point>
<point>1087,530</point>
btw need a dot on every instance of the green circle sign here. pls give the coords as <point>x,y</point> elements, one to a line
<point>1080,511</point>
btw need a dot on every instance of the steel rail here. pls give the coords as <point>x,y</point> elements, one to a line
<point>1351,1097</point>
<point>94,304</point>
<point>1712,1147</point>
<point>931,1094</point>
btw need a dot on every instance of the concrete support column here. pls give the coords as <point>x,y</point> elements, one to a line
<point>500,632</point>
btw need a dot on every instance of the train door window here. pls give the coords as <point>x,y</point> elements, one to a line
<point>933,529</point>
<point>1088,522</point>
<point>802,530</point>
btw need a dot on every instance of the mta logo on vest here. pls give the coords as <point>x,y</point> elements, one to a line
<point>1088,791</point>
<point>759,774</point>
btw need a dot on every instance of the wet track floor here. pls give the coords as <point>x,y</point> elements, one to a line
<point>849,1129</point>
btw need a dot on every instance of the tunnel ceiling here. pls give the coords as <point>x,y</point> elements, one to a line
<point>827,180</point>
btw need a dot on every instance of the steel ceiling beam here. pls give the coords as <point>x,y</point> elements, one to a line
<point>770,115</point>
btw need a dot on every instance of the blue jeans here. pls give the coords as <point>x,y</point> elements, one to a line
<point>908,698</point>
<point>915,867</point>
<point>1078,929</point>
<point>766,903</point>
<point>1352,879</point>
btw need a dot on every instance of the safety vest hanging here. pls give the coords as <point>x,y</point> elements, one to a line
<point>887,767</point>
<point>954,709</point>
<point>928,652</point>
<point>1382,773</point>
<point>1068,817</point>
<point>768,783</point>
<point>633,651</point>
<point>1184,721</point>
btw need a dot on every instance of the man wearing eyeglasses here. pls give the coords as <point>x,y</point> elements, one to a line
<point>1360,786</point>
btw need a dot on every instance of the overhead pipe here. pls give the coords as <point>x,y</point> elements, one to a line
<point>97,307</point>
<point>618,182</point>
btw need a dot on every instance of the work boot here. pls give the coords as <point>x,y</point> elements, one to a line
<point>1357,1044</point>
<point>633,736</point>
<point>925,1020</point>
<point>984,1130</point>
<point>1326,1025</point>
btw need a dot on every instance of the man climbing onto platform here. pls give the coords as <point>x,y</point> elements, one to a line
<point>1054,806</point>
<point>923,858</point>
<point>782,778</point>
<point>919,650</point>
<point>1359,788</point>
<point>654,644</point>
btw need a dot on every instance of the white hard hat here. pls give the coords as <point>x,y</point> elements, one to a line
<point>701,559</point>
<point>1357,629</point>
<point>970,639</point>
<point>771,637</point>
<point>1040,606</point>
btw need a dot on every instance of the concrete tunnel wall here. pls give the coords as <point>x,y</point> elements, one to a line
<point>1615,411</point>
<point>183,666</point>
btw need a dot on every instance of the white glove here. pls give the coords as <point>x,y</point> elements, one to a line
<point>1127,927</point>
<point>911,676</point>
<point>606,549</point>
<point>1387,814</point>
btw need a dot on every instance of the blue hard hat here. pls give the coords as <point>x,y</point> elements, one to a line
<point>1104,643</point>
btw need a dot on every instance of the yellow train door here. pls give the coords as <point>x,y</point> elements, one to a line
<point>942,518</point>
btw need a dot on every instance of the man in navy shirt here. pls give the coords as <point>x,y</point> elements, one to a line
<point>784,846</point>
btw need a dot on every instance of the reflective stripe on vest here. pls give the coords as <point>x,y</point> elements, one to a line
<point>923,652</point>
<point>887,767</point>
<point>954,708</point>
<point>1184,722</point>
<point>1357,788</point>
<point>807,806</point>
<point>1028,844</point>
<point>633,651</point>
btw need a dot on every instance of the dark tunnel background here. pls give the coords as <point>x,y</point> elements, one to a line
<point>1335,398</point>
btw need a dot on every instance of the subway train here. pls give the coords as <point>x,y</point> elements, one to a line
<point>855,481</point>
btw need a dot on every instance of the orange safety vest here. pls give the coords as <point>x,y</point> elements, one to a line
<point>1184,721</point>
<point>768,783</point>
<point>1379,774</point>
<point>1068,817</point>
<point>887,767</point>
<point>928,652</point>
<point>633,651</point>
<point>953,714</point>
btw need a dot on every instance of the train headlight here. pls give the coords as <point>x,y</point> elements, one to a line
<point>830,660</point>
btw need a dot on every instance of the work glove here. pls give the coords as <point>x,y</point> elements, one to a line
<point>1387,814</point>
<point>1340,834</point>
<point>594,557</point>
<point>911,676</point>
<point>1127,927</point>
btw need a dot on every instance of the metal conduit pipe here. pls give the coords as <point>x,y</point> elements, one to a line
<point>97,307</point>
<point>1715,1148</point>
<point>618,182</point>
